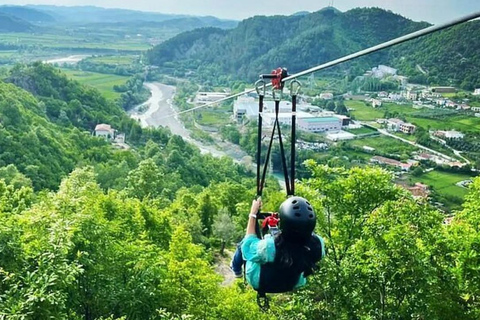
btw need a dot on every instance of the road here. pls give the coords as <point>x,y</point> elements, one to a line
<point>160,106</point>
<point>385,132</point>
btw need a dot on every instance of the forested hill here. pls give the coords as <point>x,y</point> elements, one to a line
<point>9,23</point>
<point>260,44</point>
<point>450,56</point>
<point>27,14</point>
<point>298,41</point>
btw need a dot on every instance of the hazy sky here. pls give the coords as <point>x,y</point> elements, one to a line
<point>434,11</point>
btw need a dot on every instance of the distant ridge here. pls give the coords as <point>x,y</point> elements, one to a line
<point>10,23</point>
<point>27,14</point>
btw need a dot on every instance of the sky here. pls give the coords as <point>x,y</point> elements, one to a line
<point>433,11</point>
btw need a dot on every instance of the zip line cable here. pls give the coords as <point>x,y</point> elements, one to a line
<point>358,54</point>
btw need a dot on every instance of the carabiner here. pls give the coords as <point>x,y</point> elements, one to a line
<point>258,88</point>
<point>297,84</point>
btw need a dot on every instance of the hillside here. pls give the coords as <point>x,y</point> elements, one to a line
<point>449,57</point>
<point>10,23</point>
<point>299,41</point>
<point>27,14</point>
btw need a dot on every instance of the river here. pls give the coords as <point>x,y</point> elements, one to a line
<point>158,110</point>
<point>68,60</point>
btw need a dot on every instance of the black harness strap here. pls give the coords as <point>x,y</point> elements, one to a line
<point>294,89</point>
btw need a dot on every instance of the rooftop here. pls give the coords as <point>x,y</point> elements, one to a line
<point>321,119</point>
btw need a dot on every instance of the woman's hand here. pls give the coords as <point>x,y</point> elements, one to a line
<point>256,205</point>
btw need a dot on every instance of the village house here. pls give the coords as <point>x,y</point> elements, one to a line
<point>326,96</point>
<point>376,103</point>
<point>419,190</point>
<point>451,134</point>
<point>105,131</point>
<point>392,162</point>
<point>476,92</point>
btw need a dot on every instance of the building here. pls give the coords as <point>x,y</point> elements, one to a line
<point>285,118</point>
<point>340,135</point>
<point>206,97</point>
<point>476,109</point>
<point>368,149</point>
<point>393,124</point>
<point>345,120</point>
<point>477,114</point>
<point>376,103</point>
<point>451,134</point>
<point>383,71</point>
<point>476,92</point>
<point>391,162</point>
<point>407,128</point>
<point>412,95</point>
<point>319,124</point>
<point>105,131</point>
<point>398,125</point>
<point>419,190</point>
<point>443,89</point>
<point>326,96</point>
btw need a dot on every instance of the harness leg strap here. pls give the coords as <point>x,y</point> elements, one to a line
<point>262,301</point>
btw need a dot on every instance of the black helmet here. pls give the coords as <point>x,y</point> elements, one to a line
<point>297,217</point>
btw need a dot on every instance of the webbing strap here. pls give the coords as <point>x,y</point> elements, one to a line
<point>282,150</point>
<point>259,144</point>
<point>262,301</point>
<point>292,150</point>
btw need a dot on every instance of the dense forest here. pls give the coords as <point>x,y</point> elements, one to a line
<point>88,231</point>
<point>302,41</point>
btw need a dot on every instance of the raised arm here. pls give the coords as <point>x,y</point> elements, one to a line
<point>252,217</point>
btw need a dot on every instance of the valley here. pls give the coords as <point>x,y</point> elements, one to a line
<point>125,184</point>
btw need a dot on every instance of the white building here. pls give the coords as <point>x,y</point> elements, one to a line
<point>326,96</point>
<point>206,97</point>
<point>105,131</point>
<point>247,107</point>
<point>476,92</point>
<point>476,109</point>
<point>376,103</point>
<point>320,124</point>
<point>396,125</point>
<point>452,134</point>
<point>285,118</point>
<point>340,135</point>
<point>383,71</point>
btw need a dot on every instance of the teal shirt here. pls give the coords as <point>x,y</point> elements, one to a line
<point>257,252</point>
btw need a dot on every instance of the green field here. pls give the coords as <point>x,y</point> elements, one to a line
<point>116,60</point>
<point>103,82</point>
<point>444,182</point>
<point>212,118</point>
<point>363,130</point>
<point>462,123</point>
<point>74,41</point>
<point>385,145</point>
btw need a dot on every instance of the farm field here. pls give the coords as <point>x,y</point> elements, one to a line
<point>76,41</point>
<point>462,123</point>
<point>117,60</point>
<point>443,183</point>
<point>103,82</point>
<point>385,145</point>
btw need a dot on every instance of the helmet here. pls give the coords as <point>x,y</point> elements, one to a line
<point>297,217</point>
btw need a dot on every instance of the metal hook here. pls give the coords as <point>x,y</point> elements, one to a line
<point>277,97</point>
<point>297,84</point>
<point>257,87</point>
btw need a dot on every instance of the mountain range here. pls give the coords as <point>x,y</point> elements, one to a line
<point>260,44</point>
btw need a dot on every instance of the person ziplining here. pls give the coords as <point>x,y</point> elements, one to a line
<point>280,260</point>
